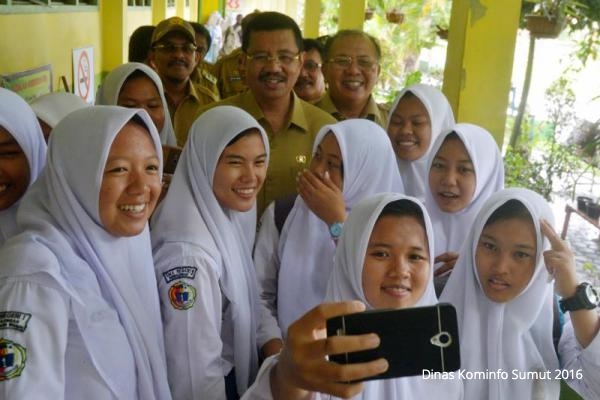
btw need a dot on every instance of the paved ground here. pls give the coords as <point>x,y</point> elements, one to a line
<point>585,242</point>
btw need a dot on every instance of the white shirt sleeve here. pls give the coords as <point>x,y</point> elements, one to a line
<point>580,367</point>
<point>191,306</point>
<point>34,322</point>
<point>266,262</point>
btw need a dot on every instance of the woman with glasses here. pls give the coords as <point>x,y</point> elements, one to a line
<point>78,298</point>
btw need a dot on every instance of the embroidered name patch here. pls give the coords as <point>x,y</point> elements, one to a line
<point>182,295</point>
<point>180,273</point>
<point>12,359</point>
<point>14,320</point>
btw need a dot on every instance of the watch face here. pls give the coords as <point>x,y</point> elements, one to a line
<point>336,229</point>
<point>591,294</point>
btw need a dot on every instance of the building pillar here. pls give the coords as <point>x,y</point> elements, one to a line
<point>312,17</point>
<point>352,14</point>
<point>207,7</point>
<point>114,38</point>
<point>481,46</point>
<point>159,11</point>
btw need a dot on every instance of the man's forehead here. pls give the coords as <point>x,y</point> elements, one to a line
<point>267,37</point>
<point>346,43</point>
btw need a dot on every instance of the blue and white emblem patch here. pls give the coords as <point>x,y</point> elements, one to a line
<point>12,359</point>
<point>182,295</point>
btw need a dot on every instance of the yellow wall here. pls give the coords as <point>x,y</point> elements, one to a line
<point>137,17</point>
<point>31,40</point>
<point>481,46</point>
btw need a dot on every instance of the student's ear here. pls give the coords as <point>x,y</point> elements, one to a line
<point>151,62</point>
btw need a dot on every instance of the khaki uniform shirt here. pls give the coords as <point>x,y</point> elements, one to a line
<point>202,77</point>
<point>377,113</point>
<point>290,149</point>
<point>230,81</point>
<point>188,110</point>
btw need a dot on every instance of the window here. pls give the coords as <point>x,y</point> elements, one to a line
<point>139,3</point>
<point>16,6</point>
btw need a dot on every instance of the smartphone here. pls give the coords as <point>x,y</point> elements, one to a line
<point>170,158</point>
<point>412,339</point>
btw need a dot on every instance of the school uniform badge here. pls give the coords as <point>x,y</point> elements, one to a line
<point>12,359</point>
<point>182,295</point>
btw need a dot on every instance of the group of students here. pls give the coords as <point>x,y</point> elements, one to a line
<point>107,293</point>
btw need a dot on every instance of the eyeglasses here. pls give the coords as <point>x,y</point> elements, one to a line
<point>171,48</point>
<point>311,66</point>
<point>262,59</point>
<point>346,61</point>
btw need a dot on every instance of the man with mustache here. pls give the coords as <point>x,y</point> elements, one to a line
<point>351,70</point>
<point>174,57</point>
<point>311,83</point>
<point>272,57</point>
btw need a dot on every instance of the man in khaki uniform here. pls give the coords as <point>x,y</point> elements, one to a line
<point>351,69</point>
<point>174,57</point>
<point>229,74</point>
<point>272,58</point>
<point>201,77</point>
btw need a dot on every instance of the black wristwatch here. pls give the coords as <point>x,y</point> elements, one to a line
<point>585,298</point>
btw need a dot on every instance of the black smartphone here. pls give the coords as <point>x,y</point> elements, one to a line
<point>413,340</point>
<point>170,158</point>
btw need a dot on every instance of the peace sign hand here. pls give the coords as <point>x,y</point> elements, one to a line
<point>559,261</point>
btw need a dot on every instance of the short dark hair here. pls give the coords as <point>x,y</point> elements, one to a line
<point>140,42</point>
<point>270,21</point>
<point>249,131</point>
<point>314,44</point>
<point>352,32</point>
<point>201,29</point>
<point>403,208</point>
<point>511,209</point>
<point>137,120</point>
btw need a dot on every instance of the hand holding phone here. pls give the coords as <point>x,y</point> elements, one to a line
<point>303,367</point>
<point>412,339</point>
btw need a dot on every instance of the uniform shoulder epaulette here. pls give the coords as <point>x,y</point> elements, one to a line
<point>209,77</point>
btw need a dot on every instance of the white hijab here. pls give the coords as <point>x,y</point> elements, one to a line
<point>305,247</point>
<point>52,107</point>
<point>19,120</point>
<point>64,240</point>
<point>191,213</point>
<point>345,284</point>
<point>451,228</point>
<point>109,90</point>
<point>415,173</point>
<point>512,335</point>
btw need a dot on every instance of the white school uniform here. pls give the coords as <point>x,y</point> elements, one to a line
<point>516,335</point>
<point>450,229</point>
<point>299,262</point>
<point>80,315</point>
<point>206,279</point>
<point>415,173</point>
<point>19,120</point>
<point>108,94</point>
<point>345,283</point>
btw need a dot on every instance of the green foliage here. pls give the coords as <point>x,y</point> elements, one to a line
<point>579,15</point>
<point>542,163</point>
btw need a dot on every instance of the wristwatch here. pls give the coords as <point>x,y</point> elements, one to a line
<point>335,229</point>
<point>585,298</point>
